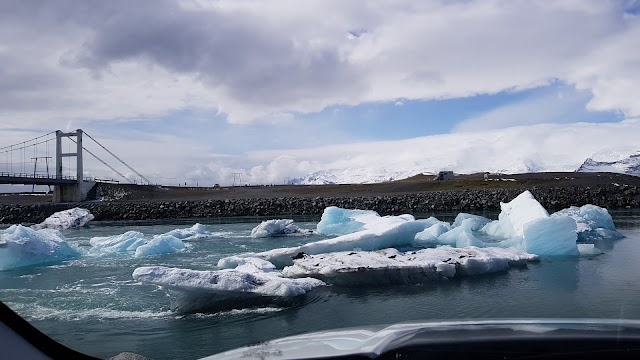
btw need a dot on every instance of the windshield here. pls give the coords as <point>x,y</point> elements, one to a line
<point>182,178</point>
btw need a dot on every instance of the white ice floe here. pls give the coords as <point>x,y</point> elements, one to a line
<point>134,242</point>
<point>22,246</point>
<point>338,221</point>
<point>195,232</point>
<point>388,231</point>
<point>390,266</point>
<point>216,290</point>
<point>593,222</point>
<point>277,227</point>
<point>67,219</point>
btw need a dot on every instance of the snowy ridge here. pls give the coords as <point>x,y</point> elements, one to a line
<point>353,176</point>
<point>623,160</point>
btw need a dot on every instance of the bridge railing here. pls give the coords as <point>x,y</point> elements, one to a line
<point>40,176</point>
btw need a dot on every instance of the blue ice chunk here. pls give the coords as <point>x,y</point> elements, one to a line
<point>551,236</point>
<point>593,223</point>
<point>161,244</point>
<point>122,243</point>
<point>429,236</point>
<point>338,221</point>
<point>477,221</point>
<point>462,235</point>
<point>22,246</point>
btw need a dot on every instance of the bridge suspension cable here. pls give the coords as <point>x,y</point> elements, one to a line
<point>117,158</point>
<point>103,162</point>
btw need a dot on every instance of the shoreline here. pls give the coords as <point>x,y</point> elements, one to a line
<point>552,198</point>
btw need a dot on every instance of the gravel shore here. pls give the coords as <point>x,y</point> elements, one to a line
<point>553,198</point>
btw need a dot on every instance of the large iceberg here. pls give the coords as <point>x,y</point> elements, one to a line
<point>390,266</point>
<point>523,223</point>
<point>388,231</point>
<point>134,242</point>
<point>22,246</point>
<point>276,227</point>
<point>196,290</point>
<point>67,219</point>
<point>514,215</point>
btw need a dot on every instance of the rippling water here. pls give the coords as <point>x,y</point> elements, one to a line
<point>93,305</point>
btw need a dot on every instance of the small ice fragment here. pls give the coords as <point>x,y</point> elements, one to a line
<point>278,227</point>
<point>67,219</point>
<point>196,231</point>
<point>588,250</point>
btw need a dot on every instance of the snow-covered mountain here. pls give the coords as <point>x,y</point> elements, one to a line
<point>620,160</point>
<point>626,161</point>
<point>352,176</point>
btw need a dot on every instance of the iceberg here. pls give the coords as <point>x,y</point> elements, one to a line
<point>551,236</point>
<point>215,290</point>
<point>123,243</point>
<point>430,237</point>
<point>588,250</point>
<point>67,219</point>
<point>134,242</point>
<point>593,223</point>
<point>160,244</point>
<point>22,246</point>
<point>195,232</point>
<point>514,215</point>
<point>338,221</point>
<point>390,266</point>
<point>279,227</point>
<point>389,231</point>
<point>523,223</point>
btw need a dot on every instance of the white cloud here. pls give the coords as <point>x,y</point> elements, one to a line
<point>557,106</point>
<point>263,61</point>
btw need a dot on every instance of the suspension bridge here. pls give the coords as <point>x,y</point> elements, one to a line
<point>28,162</point>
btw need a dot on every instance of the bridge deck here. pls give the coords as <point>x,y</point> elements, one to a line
<point>30,179</point>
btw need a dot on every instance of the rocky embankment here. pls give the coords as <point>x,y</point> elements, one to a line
<point>610,197</point>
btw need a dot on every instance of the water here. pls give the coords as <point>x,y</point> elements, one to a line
<point>93,305</point>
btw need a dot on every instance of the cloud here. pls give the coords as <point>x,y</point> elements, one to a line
<point>556,104</point>
<point>266,61</point>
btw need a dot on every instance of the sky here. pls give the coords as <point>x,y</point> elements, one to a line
<point>195,91</point>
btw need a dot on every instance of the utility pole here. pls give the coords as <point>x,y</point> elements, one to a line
<point>35,164</point>
<point>239,177</point>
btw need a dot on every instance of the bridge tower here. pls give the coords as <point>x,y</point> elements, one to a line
<point>79,190</point>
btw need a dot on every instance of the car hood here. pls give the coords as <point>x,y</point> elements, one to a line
<point>371,341</point>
